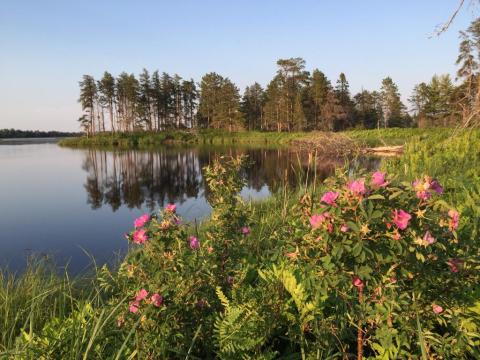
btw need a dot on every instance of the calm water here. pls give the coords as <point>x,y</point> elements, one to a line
<point>65,203</point>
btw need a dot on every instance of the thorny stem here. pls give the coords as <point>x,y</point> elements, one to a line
<point>359,331</point>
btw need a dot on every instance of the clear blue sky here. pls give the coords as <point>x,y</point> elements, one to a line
<point>46,45</point>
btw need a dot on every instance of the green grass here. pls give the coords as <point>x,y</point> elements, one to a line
<point>151,139</point>
<point>394,136</point>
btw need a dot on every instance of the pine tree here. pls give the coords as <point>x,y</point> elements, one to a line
<point>106,90</point>
<point>392,106</point>
<point>88,99</point>
<point>342,91</point>
<point>144,103</point>
<point>252,106</point>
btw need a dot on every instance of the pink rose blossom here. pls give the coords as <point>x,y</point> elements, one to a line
<point>317,220</point>
<point>378,179</point>
<point>454,218</point>
<point>437,309</point>
<point>428,238</point>
<point>141,295</point>
<point>194,243</point>
<point>455,265</point>
<point>401,219</point>
<point>133,308</point>
<point>330,227</point>
<point>140,236</point>
<point>140,221</point>
<point>329,197</point>
<point>357,187</point>
<point>171,208</point>
<point>245,230</point>
<point>344,228</point>
<point>435,186</point>
<point>157,300</point>
<point>423,195</point>
<point>396,235</point>
<point>357,282</point>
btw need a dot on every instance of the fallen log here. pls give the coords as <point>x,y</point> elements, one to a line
<point>385,150</point>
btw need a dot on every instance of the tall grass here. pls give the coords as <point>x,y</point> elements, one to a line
<point>152,139</point>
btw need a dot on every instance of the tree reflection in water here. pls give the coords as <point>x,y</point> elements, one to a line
<point>135,178</point>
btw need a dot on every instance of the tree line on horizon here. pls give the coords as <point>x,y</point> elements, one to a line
<point>294,100</point>
<point>15,133</point>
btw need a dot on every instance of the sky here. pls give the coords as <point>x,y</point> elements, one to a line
<point>46,46</point>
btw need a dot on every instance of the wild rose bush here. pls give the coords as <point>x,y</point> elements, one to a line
<point>367,268</point>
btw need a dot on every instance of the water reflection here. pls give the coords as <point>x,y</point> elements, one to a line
<point>135,178</point>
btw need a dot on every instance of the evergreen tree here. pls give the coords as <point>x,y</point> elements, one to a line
<point>317,92</point>
<point>392,106</point>
<point>106,90</point>
<point>252,105</point>
<point>342,91</point>
<point>366,109</point>
<point>88,99</point>
<point>144,103</point>
<point>156,88</point>
<point>189,99</point>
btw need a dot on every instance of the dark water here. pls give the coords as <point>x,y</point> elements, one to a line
<point>65,203</point>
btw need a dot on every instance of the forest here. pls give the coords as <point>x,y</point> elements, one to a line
<point>14,133</point>
<point>294,100</point>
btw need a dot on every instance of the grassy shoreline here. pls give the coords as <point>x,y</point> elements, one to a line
<point>358,138</point>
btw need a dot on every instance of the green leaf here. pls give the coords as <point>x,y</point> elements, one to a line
<point>395,194</point>
<point>376,197</point>
<point>353,226</point>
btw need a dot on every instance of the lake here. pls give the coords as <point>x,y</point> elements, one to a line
<point>70,204</point>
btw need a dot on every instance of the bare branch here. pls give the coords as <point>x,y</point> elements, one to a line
<point>446,25</point>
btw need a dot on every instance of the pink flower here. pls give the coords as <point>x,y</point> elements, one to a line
<point>157,300</point>
<point>423,195</point>
<point>437,309</point>
<point>396,235</point>
<point>194,243</point>
<point>454,218</point>
<point>378,179</point>
<point>428,238</point>
<point>455,265</point>
<point>133,308</point>
<point>171,208</point>
<point>142,220</point>
<point>435,186</point>
<point>356,281</point>
<point>344,228</point>
<point>141,295</point>
<point>140,236</point>
<point>357,187</point>
<point>245,230</point>
<point>330,227</point>
<point>401,219</point>
<point>329,197</point>
<point>317,220</point>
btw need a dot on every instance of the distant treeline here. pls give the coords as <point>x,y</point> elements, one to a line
<point>294,100</point>
<point>13,133</point>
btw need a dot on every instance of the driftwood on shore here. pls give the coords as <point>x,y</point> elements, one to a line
<point>327,144</point>
<point>335,144</point>
<point>384,150</point>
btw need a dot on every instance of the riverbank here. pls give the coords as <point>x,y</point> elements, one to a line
<point>152,139</point>
<point>270,275</point>
<point>351,140</point>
